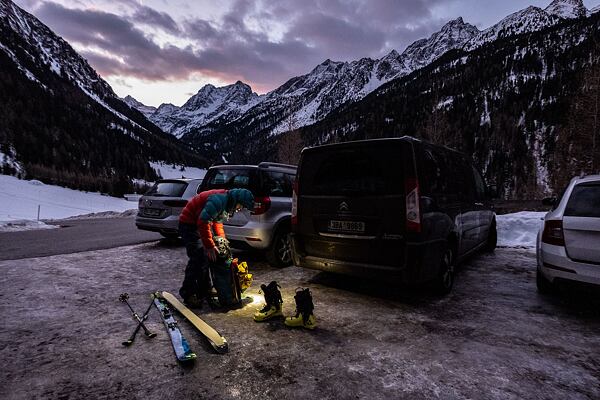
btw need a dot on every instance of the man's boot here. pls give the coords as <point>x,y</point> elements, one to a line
<point>273,302</point>
<point>304,310</point>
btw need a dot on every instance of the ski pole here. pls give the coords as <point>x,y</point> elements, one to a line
<point>123,298</point>
<point>137,328</point>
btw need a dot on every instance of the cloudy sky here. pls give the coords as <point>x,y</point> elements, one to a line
<point>164,51</point>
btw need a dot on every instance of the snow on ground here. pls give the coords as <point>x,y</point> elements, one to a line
<point>168,171</point>
<point>19,200</point>
<point>519,229</point>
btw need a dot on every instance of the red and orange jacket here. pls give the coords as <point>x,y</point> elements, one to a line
<point>207,219</point>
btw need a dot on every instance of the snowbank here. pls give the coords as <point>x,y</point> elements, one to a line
<point>519,229</point>
<point>19,200</point>
<point>23,225</point>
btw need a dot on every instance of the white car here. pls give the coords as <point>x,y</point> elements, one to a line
<point>568,243</point>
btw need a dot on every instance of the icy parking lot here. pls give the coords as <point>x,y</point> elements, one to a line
<point>494,337</point>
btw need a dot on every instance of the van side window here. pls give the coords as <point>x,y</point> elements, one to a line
<point>463,176</point>
<point>433,180</point>
<point>479,185</point>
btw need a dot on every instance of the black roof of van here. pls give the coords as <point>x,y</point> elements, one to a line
<point>353,143</point>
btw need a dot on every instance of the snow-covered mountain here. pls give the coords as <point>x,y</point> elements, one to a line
<point>567,9</point>
<point>309,98</point>
<point>46,48</point>
<point>133,103</point>
<point>209,104</point>
<point>530,19</point>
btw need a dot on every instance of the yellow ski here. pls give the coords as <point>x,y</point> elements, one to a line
<point>216,340</point>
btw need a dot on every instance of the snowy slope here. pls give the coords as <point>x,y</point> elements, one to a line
<point>19,200</point>
<point>51,50</point>
<point>168,171</point>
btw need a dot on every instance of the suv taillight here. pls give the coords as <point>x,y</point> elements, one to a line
<point>261,205</point>
<point>295,203</point>
<point>553,233</point>
<point>413,212</point>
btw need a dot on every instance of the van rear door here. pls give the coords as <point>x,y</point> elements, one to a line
<point>351,201</point>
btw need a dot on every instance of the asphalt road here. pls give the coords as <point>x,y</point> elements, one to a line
<point>74,236</point>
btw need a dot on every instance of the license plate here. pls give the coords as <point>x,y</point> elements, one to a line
<point>346,226</point>
<point>152,212</point>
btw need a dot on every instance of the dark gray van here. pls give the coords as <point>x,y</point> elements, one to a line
<point>396,208</point>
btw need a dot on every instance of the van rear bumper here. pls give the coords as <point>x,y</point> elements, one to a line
<point>414,263</point>
<point>347,268</point>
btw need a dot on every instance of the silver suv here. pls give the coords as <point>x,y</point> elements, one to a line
<point>568,243</point>
<point>159,207</point>
<point>268,226</point>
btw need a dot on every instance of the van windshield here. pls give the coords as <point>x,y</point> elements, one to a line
<point>368,170</point>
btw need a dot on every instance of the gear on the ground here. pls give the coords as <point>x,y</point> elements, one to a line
<point>273,303</point>
<point>304,311</point>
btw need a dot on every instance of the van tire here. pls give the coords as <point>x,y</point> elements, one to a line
<point>445,278</point>
<point>492,239</point>
<point>279,255</point>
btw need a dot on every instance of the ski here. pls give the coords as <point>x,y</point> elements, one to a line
<point>180,345</point>
<point>217,341</point>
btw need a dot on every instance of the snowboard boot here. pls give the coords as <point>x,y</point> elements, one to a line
<point>304,311</point>
<point>273,302</point>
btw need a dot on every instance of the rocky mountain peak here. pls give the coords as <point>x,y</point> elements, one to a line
<point>567,8</point>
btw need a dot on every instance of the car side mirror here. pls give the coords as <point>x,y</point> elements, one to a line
<point>491,191</point>
<point>550,201</point>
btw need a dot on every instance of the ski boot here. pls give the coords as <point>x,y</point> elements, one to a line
<point>304,310</point>
<point>273,302</point>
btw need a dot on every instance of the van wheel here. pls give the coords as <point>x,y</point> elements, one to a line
<point>445,279</point>
<point>544,286</point>
<point>492,239</point>
<point>280,253</point>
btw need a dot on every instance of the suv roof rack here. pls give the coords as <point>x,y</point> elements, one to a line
<point>266,164</point>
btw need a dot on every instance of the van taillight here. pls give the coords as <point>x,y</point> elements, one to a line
<point>261,205</point>
<point>413,212</point>
<point>295,203</point>
<point>553,233</point>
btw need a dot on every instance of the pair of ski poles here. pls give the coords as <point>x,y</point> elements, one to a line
<point>123,298</point>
